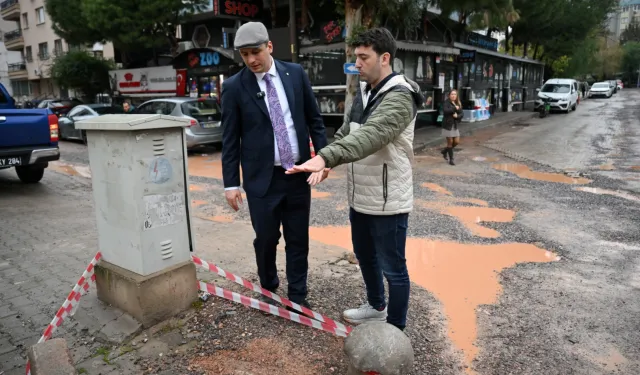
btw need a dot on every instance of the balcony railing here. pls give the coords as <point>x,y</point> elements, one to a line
<point>7,4</point>
<point>29,58</point>
<point>16,67</point>
<point>12,35</point>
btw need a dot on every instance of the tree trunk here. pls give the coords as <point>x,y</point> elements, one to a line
<point>513,47</point>
<point>353,19</point>
<point>526,49</point>
<point>535,51</point>
<point>305,15</point>
<point>274,5</point>
<point>506,40</point>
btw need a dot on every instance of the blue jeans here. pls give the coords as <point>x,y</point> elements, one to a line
<point>379,244</point>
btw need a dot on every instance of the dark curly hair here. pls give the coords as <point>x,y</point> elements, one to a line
<point>379,38</point>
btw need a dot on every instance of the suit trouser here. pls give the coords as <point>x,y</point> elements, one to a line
<point>287,203</point>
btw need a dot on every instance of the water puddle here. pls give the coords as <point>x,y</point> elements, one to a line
<point>613,361</point>
<point>523,171</point>
<point>205,166</point>
<point>471,217</point>
<point>607,167</point>
<point>619,194</point>
<point>195,187</point>
<point>636,167</point>
<point>461,276</point>
<point>197,203</point>
<point>71,170</point>
<point>436,188</point>
<point>319,194</point>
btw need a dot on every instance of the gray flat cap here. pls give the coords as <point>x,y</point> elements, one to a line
<point>251,35</point>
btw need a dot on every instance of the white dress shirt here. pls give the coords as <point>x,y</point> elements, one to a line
<point>286,111</point>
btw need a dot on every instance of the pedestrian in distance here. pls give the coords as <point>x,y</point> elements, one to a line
<point>376,141</point>
<point>128,108</point>
<point>268,113</point>
<point>453,114</point>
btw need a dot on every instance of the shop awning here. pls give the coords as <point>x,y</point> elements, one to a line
<point>306,50</point>
<point>428,47</point>
<point>406,46</point>
<point>497,54</point>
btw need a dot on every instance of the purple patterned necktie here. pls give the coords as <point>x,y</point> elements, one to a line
<point>279,126</point>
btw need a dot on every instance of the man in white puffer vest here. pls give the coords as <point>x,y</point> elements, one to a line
<point>376,141</point>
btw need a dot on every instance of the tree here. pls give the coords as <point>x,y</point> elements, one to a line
<point>130,25</point>
<point>71,23</point>
<point>631,61</point>
<point>80,71</point>
<point>631,33</point>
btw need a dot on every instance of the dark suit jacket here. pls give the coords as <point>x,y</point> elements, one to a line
<point>248,133</point>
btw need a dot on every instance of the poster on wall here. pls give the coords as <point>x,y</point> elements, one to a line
<point>160,80</point>
<point>441,78</point>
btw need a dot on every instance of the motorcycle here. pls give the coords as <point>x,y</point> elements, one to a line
<point>545,108</point>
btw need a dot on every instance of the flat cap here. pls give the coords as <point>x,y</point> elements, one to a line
<point>251,35</point>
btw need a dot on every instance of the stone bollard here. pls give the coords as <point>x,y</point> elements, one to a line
<point>378,347</point>
<point>51,358</point>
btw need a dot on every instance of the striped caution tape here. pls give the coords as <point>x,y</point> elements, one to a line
<point>70,305</point>
<point>271,309</point>
<point>257,288</point>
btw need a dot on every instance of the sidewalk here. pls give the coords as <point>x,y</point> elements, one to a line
<point>431,135</point>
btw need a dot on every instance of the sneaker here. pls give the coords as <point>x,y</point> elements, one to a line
<point>365,313</point>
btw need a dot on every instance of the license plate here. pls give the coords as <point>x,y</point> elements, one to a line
<point>9,162</point>
<point>208,125</point>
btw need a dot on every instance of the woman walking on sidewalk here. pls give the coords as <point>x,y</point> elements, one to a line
<point>452,110</point>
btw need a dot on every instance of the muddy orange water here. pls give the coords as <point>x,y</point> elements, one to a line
<point>636,167</point>
<point>205,166</point>
<point>319,194</point>
<point>462,276</point>
<point>523,171</point>
<point>471,217</point>
<point>195,187</point>
<point>197,203</point>
<point>436,188</point>
<point>607,167</point>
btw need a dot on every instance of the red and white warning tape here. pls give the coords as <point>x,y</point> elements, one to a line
<point>277,311</point>
<point>71,303</point>
<point>257,288</point>
<point>313,150</point>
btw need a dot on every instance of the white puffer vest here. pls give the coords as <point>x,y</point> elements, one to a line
<point>382,183</point>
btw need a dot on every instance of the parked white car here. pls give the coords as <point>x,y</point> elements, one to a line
<point>562,94</point>
<point>602,90</point>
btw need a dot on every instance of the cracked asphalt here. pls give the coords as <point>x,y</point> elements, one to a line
<point>525,256</point>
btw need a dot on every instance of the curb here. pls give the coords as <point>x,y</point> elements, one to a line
<point>469,130</point>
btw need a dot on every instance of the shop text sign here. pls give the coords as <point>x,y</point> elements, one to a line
<point>467,56</point>
<point>482,41</point>
<point>158,80</point>
<point>238,8</point>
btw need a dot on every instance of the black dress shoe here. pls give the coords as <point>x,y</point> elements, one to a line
<point>304,303</point>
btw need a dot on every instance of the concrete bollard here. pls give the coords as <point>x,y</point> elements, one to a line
<point>51,358</point>
<point>378,347</point>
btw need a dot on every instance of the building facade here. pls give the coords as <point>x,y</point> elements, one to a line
<point>38,46</point>
<point>8,59</point>
<point>623,16</point>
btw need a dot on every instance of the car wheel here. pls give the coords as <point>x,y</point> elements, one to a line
<point>30,174</point>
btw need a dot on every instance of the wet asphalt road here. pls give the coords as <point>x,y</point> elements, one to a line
<point>508,202</point>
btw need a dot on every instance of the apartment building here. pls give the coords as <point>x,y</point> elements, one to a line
<point>8,59</point>
<point>621,18</point>
<point>38,45</point>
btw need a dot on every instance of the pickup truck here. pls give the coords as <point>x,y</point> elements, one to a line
<point>28,139</point>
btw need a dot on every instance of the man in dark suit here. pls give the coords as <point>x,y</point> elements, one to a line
<point>269,112</point>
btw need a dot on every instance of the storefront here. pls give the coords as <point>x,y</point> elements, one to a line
<point>201,71</point>
<point>506,82</point>
<point>139,85</point>
<point>432,66</point>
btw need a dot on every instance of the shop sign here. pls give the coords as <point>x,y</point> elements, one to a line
<point>467,56</point>
<point>250,9</point>
<point>447,58</point>
<point>482,41</point>
<point>332,32</point>
<point>154,80</point>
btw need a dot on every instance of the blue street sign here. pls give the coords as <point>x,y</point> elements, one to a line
<point>350,68</point>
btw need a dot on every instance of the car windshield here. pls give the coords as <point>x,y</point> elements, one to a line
<point>206,107</point>
<point>556,88</point>
<point>601,86</point>
<point>108,110</point>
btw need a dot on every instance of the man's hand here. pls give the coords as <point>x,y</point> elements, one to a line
<point>455,115</point>
<point>316,164</point>
<point>318,177</point>
<point>234,198</point>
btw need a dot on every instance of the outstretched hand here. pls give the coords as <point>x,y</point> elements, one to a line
<point>318,177</point>
<point>316,164</point>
